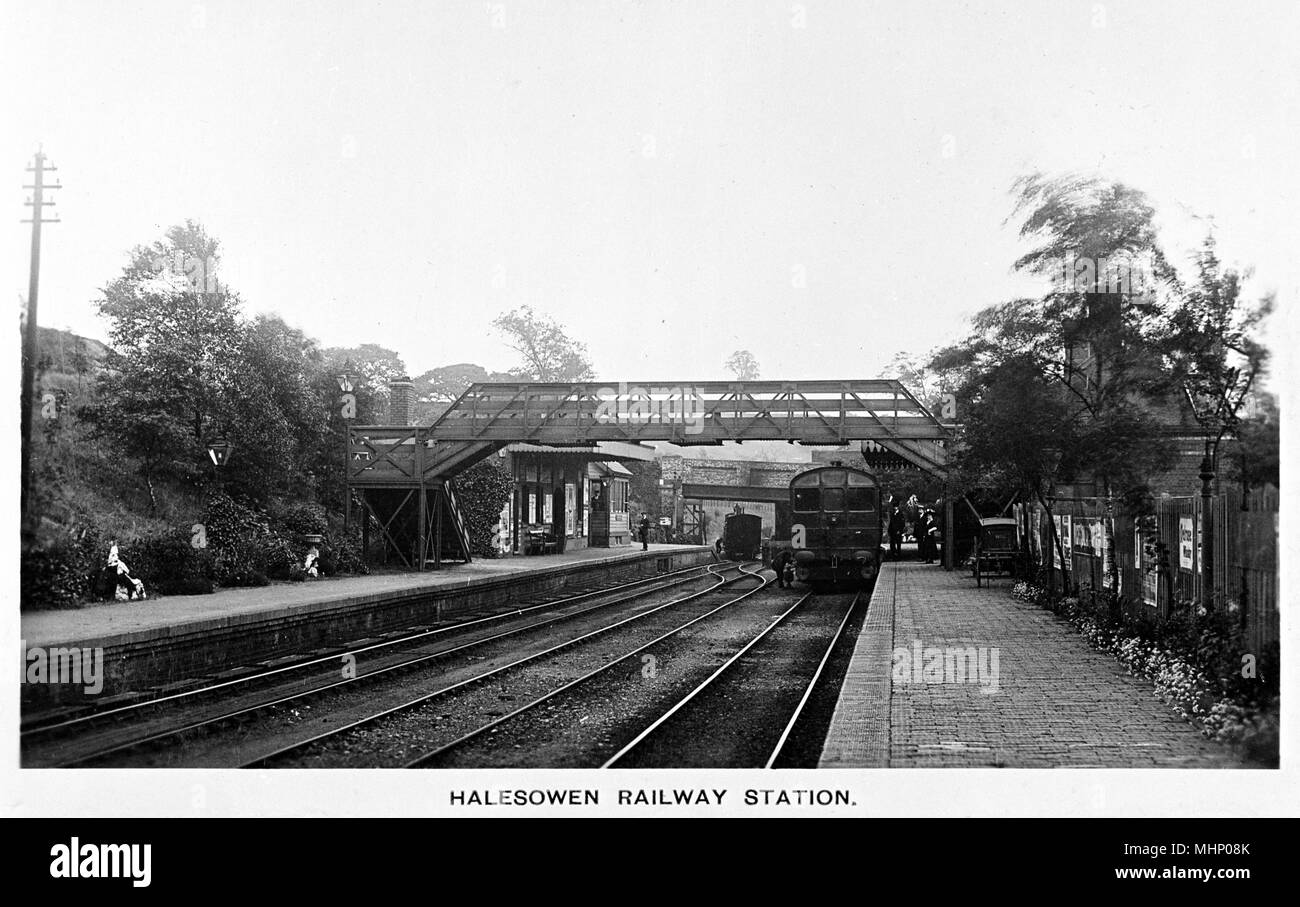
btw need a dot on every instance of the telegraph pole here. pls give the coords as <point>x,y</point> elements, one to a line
<point>37,203</point>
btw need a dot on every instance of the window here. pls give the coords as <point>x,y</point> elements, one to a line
<point>832,499</point>
<point>833,477</point>
<point>807,499</point>
<point>861,499</point>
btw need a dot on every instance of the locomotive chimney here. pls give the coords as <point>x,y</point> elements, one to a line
<point>400,394</point>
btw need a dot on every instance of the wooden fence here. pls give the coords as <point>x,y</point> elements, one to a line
<point>1157,562</point>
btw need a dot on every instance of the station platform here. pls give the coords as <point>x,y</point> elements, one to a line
<point>102,622</point>
<point>172,640</point>
<point>1034,695</point>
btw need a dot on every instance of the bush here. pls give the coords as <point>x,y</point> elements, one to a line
<point>229,522</point>
<point>169,564</point>
<point>279,560</point>
<point>482,491</point>
<point>247,551</point>
<point>240,563</point>
<point>62,573</point>
<point>298,520</point>
<point>343,557</point>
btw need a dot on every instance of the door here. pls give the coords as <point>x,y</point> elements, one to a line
<point>557,517</point>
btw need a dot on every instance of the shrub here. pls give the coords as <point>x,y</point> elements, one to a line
<point>482,491</point>
<point>343,556</point>
<point>229,522</point>
<point>239,563</point>
<point>61,573</point>
<point>168,564</point>
<point>298,520</point>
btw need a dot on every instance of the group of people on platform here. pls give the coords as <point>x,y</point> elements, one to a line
<point>924,525</point>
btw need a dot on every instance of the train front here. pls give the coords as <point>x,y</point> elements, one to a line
<point>835,526</point>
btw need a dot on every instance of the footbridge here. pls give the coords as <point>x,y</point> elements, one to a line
<point>403,474</point>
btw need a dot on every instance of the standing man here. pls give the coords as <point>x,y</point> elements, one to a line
<point>644,528</point>
<point>897,523</point>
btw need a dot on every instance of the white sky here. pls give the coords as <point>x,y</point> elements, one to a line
<point>655,176</point>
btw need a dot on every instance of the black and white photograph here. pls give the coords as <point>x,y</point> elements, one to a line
<point>786,394</point>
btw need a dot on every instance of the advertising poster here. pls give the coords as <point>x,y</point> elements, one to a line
<point>1186,543</point>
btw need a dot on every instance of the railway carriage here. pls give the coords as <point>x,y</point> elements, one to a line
<point>742,536</point>
<point>835,530</point>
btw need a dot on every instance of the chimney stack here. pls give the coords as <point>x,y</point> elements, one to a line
<point>401,394</point>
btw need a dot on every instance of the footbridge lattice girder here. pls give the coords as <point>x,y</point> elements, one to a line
<point>488,416</point>
<point>704,412</point>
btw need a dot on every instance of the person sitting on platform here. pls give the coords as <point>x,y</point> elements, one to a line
<point>118,575</point>
<point>311,563</point>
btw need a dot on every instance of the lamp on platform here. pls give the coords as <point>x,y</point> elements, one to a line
<point>220,449</point>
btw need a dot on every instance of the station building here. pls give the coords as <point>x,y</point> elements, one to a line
<point>569,497</point>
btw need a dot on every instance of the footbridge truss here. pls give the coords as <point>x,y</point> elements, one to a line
<point>385,460</point>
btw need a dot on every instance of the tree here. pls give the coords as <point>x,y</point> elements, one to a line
<point>1020,435</point>
<point>918,375</point>
<point>174,336</point>
<point>1257,453</point>
<point>549,354</point>
<point>743,365</point>
<point>438,387</point>
<point>1211,347</point>
<point>278,412</point>
<point>1217,360</point>
<point>1088,352</point>
<point>371,366</point>
<point>1098,334</point>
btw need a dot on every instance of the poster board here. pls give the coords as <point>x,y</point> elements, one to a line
<point>1186,543</point>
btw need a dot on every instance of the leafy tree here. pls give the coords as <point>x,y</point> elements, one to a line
<point>371,366</point>
<point>1097,335</point>
<point>174,350</point>
<point>440,386</point>
<point>920,377</point>
<point>1019,433</point>
<point>548,353</point>
<point>743,365</point>
<point>278,411</point>
<point>185,368</point>
<point>1256,455</point>
<point>1211,347</point>
<point>1214,355</point>
<point>1075,375</point>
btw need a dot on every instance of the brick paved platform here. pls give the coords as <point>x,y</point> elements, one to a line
<point>1048,700</point>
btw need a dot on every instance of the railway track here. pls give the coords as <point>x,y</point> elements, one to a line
<point>386,735</point>
<point>745,713</point>
<point>727,720</point>
<point>438,755</point>
<point>95,735</point>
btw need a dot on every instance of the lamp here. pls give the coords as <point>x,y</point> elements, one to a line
<point>219,449</point>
